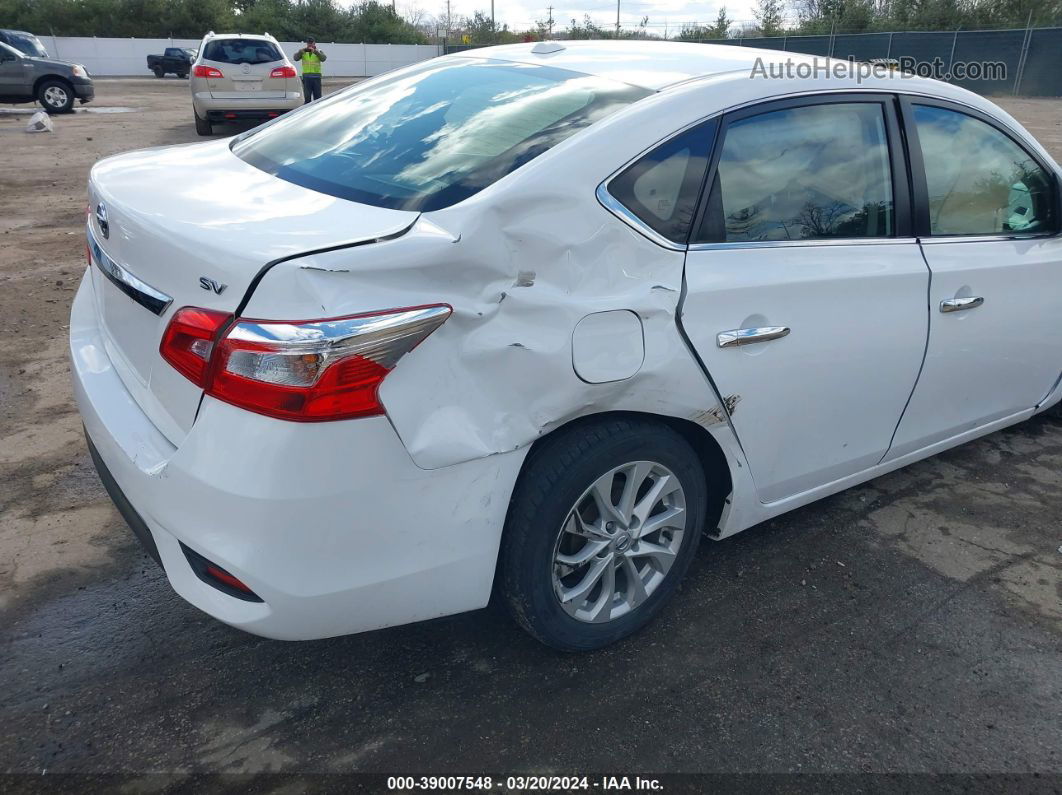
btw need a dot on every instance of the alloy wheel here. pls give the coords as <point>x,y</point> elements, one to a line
<point>55,97</point>
<point>619,541</point>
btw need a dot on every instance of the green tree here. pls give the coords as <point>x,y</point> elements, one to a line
<point>587,30</point>
<point>719,30</point>
<point>379,23</point>
<point>768,14</point>
<point>479,28</point>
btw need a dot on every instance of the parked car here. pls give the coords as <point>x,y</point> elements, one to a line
<point>238,77</point>
<point>533,318</point>
<point>175,60</point>
<point>25,43</point>
<point>55,84</point>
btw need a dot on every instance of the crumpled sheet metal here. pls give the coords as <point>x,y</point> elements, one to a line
<point>498,374</point>
<point>521,263</point>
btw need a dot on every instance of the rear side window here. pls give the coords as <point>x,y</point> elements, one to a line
<point>980,182</point>
<point>238,51</point>
<point>805,173</point>
<point>661,189</point>
<point>430,136</point>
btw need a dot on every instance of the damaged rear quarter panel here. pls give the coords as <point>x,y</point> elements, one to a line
<point>521,263</point>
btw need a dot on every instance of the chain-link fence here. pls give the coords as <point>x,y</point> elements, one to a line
<point>1026,61</point>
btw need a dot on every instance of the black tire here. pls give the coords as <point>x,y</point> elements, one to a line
<point>202,126</point>
<point>56,96</point>
<point>556,476</point>
<point>158,72</point>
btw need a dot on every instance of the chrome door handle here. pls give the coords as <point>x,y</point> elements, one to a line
<point>958,304</point>
<point>747,336</point>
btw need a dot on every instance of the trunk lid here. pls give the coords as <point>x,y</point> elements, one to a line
<point>193,226</point>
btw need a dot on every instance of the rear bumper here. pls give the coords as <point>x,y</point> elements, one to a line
<point>258,107</point>
<point>125,508</point>
<point>331,524</point>
<point>220,116</point>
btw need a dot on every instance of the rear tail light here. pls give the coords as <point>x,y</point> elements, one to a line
<point>206,71</point>
<point>283,71</point>
<point>189,341</point>
<point>308,371</point>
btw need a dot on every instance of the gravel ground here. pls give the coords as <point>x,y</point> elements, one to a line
<point>913,624</point>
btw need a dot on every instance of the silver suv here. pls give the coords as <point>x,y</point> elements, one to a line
<point>238,77</point>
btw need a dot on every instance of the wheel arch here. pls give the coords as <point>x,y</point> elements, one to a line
<point>718,478</point>
<point>49,77</point>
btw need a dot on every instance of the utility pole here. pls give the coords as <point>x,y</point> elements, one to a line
<point>550,22</point>
<point>617,18</point>
<point>493,27</point>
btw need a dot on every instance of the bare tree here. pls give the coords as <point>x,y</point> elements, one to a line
<point>414,14</point>
<point>446,19</point>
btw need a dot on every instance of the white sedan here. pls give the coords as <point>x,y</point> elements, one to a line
<point>533,319</point>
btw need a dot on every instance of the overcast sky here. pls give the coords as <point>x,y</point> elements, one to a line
<point>521,14</point>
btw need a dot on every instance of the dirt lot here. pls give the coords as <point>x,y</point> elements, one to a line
<point>911,624</point>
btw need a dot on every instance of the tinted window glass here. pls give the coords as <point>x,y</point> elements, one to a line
<point>432,135</point>
<point>808,173</point>
<point>980,182</point>
<point>250,51</point>
<point>662,188</point>
<point>27,43</point>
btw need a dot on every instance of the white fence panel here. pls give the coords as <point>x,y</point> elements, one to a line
<point>108,57</point>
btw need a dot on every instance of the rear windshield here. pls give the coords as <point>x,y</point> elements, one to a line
<point>432,135</point>
<point>241,51</point>
<point>27,43</point>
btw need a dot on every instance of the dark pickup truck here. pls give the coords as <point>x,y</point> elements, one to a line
<point>176,59</point>
<point>56,84</point>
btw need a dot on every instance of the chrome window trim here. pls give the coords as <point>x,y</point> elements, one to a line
<point>854,90</point>
<point>932,241</point>
<point>153,300</point>
<point>827,241</point>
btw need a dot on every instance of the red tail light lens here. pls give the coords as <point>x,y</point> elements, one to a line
<point>307,371</point>
<point>283,71</point>
<point>189,341</point>
<point>206,71</point>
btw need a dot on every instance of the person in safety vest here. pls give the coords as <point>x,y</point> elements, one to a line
<point>311,58</point>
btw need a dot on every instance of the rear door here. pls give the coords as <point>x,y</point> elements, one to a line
<point>988,210</point>
<point>246,66</point>
<point>806,294</point>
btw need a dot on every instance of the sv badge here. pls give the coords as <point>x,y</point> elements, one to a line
<point>209,284</point>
